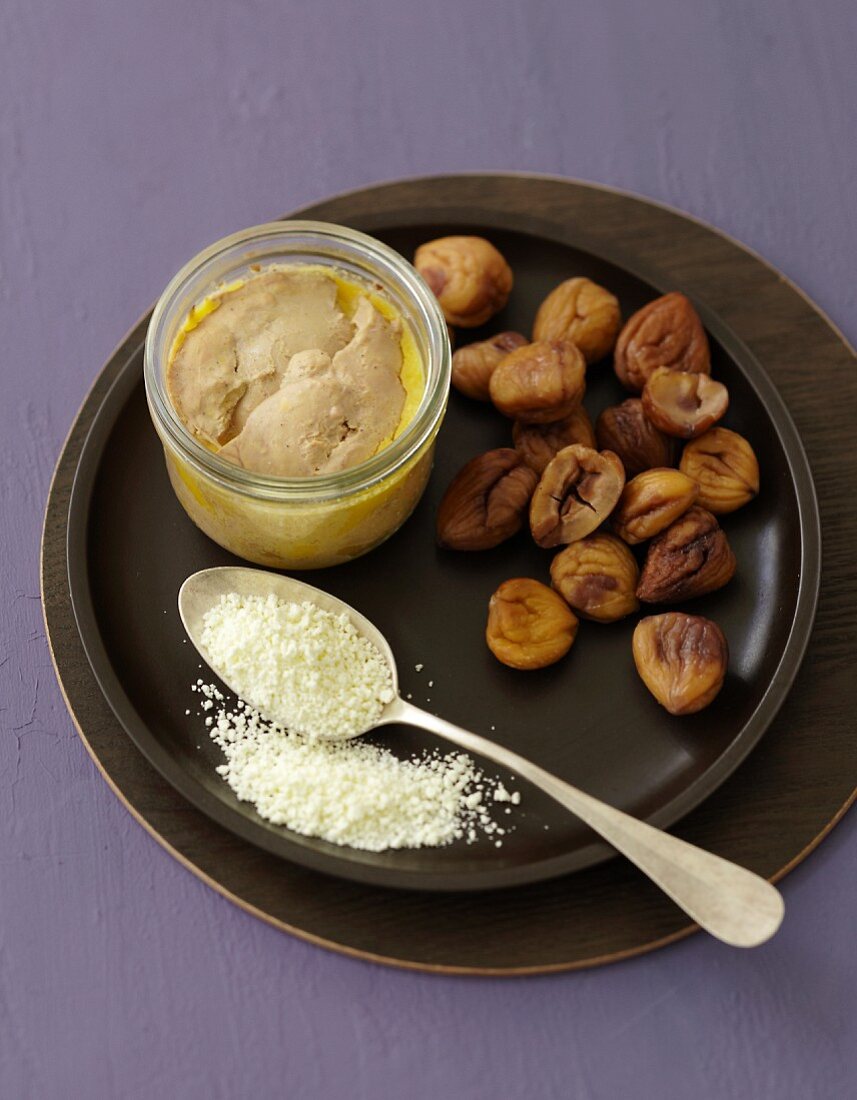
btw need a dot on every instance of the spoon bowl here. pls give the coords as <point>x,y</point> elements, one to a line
<point>728,901</point>
<point>202,590</point>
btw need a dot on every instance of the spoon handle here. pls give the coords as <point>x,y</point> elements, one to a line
<point>730,902</point>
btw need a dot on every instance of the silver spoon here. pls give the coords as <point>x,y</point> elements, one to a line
<point>728,901</point>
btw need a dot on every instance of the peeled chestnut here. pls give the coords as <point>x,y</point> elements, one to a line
<point>682,660</point>
<point>539,383</point>
<point>690,558</point>
<point>627,431</point>
<point>538,443</point>
<point>486,501</point>
<point>529,625</point>
<point>665,333</point>
<point>650,502</point>
<point>469,277</point>
<point>724,466</point>
<point>473,365</point>
<point>597,576</point>
<point>581,311</point>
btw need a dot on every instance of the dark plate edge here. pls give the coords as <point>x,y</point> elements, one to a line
<point>548,177</point>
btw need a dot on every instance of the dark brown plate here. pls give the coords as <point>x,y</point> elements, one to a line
<point>588,719</point>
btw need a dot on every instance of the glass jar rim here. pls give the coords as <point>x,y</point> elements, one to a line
<point>386,263</point>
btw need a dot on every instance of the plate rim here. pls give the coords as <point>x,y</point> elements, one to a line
<point>577,181</point>
<point>345,865</point>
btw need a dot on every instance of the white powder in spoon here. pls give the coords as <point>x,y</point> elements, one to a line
<point>302,666</point>
<point>317,676</point>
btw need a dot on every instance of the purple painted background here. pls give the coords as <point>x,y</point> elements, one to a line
<point>133,134</point>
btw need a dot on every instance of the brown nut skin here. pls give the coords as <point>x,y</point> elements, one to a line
<point>486,501</point>
<point>539,383</point>
<point>665,333</point>
<point>577,492</point>
<point>583,312</point>
<point>682,660</point>
<point>529,625</point>
<point>538,443</point>
<point>627,431</point>
<point>473,365</point>
<point>597,577</point>
<point>469,277</point>
<point>650,502</point>
<point>724,466</point>
<point>691,558</point>
<point>682,404</point>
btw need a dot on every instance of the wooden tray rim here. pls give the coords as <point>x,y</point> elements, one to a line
<point>309,937</point>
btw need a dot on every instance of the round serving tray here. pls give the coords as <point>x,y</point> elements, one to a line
<point>610,911</point>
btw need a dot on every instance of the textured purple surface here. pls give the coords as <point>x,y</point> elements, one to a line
<point>132,134</point>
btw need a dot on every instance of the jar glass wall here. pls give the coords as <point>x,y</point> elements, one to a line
<point>301,522</point>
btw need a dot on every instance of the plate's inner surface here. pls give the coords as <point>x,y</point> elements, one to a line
<point>589,718</point>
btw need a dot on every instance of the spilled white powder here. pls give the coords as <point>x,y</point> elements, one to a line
<point>313,672</point>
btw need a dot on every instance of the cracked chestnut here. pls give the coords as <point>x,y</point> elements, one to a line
<point>577,492</point>
<point>682,404</point>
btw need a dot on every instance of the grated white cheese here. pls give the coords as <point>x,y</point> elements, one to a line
<point>302,666</point>
<point>312,671</point>
<point>353,793</point>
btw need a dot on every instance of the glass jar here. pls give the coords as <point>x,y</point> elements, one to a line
<point>301,522</point>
